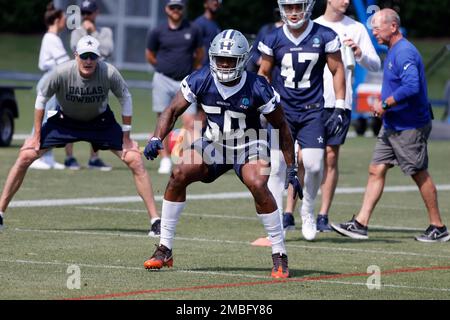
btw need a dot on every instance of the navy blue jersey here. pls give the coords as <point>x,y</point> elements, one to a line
<point>174,48</point>
<point>230,109</point>
<point>299,64</point>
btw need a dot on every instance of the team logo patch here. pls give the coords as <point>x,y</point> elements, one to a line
<point>187,36</point>
<point>316,42</point>
<point>245,103</point>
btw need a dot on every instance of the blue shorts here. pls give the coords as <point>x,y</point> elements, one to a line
<point>337,140</point>
<point>308,128</point>
<point>220,159</point>
<point>103,132</point>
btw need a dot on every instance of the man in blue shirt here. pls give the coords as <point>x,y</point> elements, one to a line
<point>233,101</point>
<point>208,26</point>
<point>402,141</point>
<point>175,49</point>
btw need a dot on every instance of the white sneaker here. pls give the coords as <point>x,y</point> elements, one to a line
<point>165,166</point>
<point>40,164</point>
<point>58,166</point>
<point>309,227</point>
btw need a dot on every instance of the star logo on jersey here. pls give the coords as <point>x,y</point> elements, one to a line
<point>320,140</point>
<point>316,42</point>
<point>187,36</point>
<point>245,103</point>
<point>390,65</point>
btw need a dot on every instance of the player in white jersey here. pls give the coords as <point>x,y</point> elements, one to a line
<point>51,54</point>
<point>355,38</point>
<point>81,87</point>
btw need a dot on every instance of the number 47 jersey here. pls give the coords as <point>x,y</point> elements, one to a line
<point>299,64</point>
<point>231,111</point>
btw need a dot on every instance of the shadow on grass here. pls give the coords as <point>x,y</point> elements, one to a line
<point>341,239</point>
<point>293,273</point>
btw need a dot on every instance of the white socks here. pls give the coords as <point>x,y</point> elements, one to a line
<point>277,178</point>
<point>313,163</point>
<point>170,214</point>
<point>274,229</point>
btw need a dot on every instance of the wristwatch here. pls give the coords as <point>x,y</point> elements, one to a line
<point>384,105</point>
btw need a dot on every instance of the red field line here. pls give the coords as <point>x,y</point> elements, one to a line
<point>256,283</point>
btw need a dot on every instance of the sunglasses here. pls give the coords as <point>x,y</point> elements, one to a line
<point>176,7</point>
<point>88,55</point>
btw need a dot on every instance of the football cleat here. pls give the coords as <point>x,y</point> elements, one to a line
<point>280,268</point>
<point>161,258</point>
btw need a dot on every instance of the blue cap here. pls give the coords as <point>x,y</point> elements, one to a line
<point>88,6</point>
<point>175,2</point>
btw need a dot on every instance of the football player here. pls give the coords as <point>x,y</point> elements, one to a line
<point>297,54</point>
<point>233,100</point>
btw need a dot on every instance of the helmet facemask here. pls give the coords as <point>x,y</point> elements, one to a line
<point>306,7</point>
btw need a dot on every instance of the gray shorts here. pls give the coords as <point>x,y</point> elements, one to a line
<point>407,149</point>
<point>164,90</point>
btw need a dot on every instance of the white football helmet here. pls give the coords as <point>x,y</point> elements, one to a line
<point>307,8</point>
<point>229,43</point>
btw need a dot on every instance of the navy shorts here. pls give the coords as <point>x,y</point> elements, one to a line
<point>337,140</point>
<point>220,159</point>
<point>308,128</point>
<point>103,132</point>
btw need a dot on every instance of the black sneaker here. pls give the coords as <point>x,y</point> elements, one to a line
<point>98,164</point>
<point>155,229</point>
<point>434,234</point>
<point>352,229</point>
<point>280,266</point>
<point>161,258</point>
<point>288,221</point>
<point>71,163</point>
<point>1,223</point>
<point>322,223</point>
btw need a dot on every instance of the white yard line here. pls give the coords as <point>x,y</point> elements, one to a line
<point>384,285</point>
<point>207,196</point>
<point>235,242</point>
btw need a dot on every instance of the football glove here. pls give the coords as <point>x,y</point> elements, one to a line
<point>292,178</point>
<point>335,122</point>
<point>152,149</point>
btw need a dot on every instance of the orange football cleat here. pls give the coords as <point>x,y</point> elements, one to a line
<point>280,266</point>
<point>161,258</point>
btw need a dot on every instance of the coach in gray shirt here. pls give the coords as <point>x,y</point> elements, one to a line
<point>81,87</point>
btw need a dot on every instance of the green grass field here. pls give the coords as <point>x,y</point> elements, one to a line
<point>212,251</point>
<point>213,256</point>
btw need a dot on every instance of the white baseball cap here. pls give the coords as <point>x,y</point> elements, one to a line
<point>88,44</point>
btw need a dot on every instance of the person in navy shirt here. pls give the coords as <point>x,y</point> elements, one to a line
<point>174,49</point>
<point>402,141</point>
<point>233,100</point>
<point>255,54</point>
<point>296,55</point>
<point>208,26</point>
